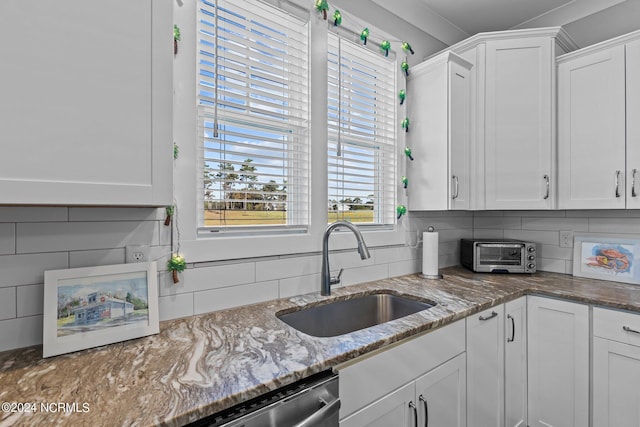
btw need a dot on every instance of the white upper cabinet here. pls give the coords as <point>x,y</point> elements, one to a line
<point>598,108</point>
<point>513,164</point>
<point>438,107</point>
<point>86,102</point>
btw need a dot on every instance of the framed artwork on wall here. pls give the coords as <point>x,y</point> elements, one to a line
<point>607,258</point>
<point>93,306</point>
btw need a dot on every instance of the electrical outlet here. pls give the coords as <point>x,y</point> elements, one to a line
<point>137,253</point>
<point>566,239</point>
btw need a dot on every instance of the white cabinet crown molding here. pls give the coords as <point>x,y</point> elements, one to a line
<point>602,46</point>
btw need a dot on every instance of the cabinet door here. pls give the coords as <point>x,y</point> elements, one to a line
<point>86,103</point>
<point>391,410</point>
<point>633,124</point>
<point>616,375</point>
<point>558,335</point>
<point>485,368</point>
<point>459,133</point>
<point>441,395</point>
<point>515,363</point>
<point>519,145</point>
<point>591,131</point>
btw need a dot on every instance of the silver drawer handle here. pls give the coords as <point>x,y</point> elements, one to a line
<point>546,178</point>
<point>327,409</point>
<point>491,316</point>
<point>415,413</point>
<point>617,183</point>
<point>628,329</point>
<point>455,179</point>
<point>513,329</point>
<point>426,410</point>
<point>634,172</point>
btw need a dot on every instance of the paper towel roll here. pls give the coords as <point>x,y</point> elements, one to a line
<point>430,254</point>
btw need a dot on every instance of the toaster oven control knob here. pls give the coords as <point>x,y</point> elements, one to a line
<point>531,249</point>
<point>531,257</point>
<point>531,265</point>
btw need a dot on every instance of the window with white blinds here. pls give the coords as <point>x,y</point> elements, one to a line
<point>362,126</point>
<point>252,114</point>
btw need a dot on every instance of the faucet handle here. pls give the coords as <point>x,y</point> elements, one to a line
<point>336,280</point>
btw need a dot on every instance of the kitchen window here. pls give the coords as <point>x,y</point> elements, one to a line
<point>362,125</point>
<point>253,96</point>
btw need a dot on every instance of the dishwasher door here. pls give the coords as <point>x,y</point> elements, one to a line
<point>311,402</point>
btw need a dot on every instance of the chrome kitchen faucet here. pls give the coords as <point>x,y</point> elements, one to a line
<point>327,280</point>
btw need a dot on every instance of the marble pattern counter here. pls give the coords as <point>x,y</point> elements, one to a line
<point>200,365</point>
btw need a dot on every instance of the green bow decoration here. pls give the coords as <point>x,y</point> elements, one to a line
<point>176,38</point>
<point>170,211</point>
<point>407,152</point>
<point>385,46</point>
<point>364,35</point>
<point>401,210</point>
<point>322,6</point>
<point>402,95</point>
<point>407,47</point>
<point>176,150</point>
<point>405,181</point>
<point>337,18</point>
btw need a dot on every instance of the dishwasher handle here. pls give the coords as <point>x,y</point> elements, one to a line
<point>328,409</point>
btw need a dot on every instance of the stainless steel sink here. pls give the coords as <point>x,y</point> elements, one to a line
<point>344,316</point>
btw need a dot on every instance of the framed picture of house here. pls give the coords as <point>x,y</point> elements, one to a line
<point>607,257</point>
<point>94,306</point>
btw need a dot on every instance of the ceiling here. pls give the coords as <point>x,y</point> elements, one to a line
<point>450,21</point>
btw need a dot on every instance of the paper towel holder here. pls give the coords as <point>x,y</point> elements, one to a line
<point>431,229</point>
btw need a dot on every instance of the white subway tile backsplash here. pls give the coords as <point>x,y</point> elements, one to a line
<point>349,259</point>
<point>204,278</point>
<point>20,332</point>
<point>96,257</point>
<point>544,214</point>
<point>554,252</point>
<point>69,236</point>
<point>175,306</point>
<point>395,254</point>
<point>553,265</point>
<point>401,268</point>
<point>488,233</point>
<point>455,235</point>
<point>115,214</point>
<point>539,237</point>
<point>7,303</point>
<point>365,274</point>
<point>33,214</point>
<point>289,267</point>
<point>7,239</point>
<point>219,299</point>
<point>30,300</point>
<point>609,213</point>
<point>299,285</point>
<point>29,269</point>
<point>570,224</point>
<point>497,222</point>
<point>614,226</point>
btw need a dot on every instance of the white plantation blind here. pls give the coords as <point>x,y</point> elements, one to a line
<point>253,87</point>
<point>362,134</point>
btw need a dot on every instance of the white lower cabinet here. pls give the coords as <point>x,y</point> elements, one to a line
<point>558,363</point>
<point>385,389</point>
<point>616,368</point>
<point>497,366</point>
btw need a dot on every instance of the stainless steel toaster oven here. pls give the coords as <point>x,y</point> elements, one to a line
<point>498,255</point>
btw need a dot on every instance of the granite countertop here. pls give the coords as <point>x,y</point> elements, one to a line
<point>200,365</point>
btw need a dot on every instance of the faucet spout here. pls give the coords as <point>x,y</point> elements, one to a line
<point>326,279</point>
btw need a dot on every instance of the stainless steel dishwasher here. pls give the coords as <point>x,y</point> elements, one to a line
<point>311,402</point>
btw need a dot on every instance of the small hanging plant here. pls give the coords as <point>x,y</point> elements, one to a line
<point>405,125</point>
<point>176,264</point>
<point>407,152</point>
<point>364,35</point>
<point>337,18</point>
<point>402,95</point>
<point>385,46</point>
<point>176,38</point>
<point>322,6</point>
<point>407,47</point>
<point>405,67</point>
<point>175,150</point>
<point>170,211</point>
<point>405,181</point>
<point>401,210</point>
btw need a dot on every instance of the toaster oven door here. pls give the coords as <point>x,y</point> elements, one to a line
<point>500,256</point>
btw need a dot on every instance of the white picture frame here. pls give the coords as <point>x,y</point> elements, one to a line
<point>612,258</point>
<point>94,306</point>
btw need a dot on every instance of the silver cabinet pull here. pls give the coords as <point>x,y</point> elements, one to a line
<point>456,186</point>
<point>513,329</point>
<point>426,410</point>
<point>491,316</point>
<point>634,172</point>
<point>326,409</point>
<point>628,329</point>
<point>617,183</point>
<point>546,179</point>
<point>415,413</point>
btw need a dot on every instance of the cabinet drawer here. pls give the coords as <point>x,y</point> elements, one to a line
<point>622,326</point>
<point>372,377</point>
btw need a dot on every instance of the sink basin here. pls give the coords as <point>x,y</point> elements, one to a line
<point>344,316</point>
